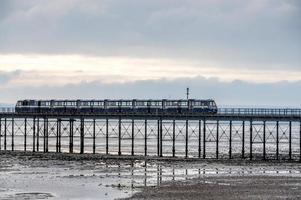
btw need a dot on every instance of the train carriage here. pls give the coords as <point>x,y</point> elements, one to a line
<point>134,106</point>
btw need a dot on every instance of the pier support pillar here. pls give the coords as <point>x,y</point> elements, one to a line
<point>133,137</point>
<point>264,140</point>
<point>5,133</point>
<point>71,128</point>
<point>217,139</point>
<point>243,140</point>
<point>204,138</point>
<point>107,136</point>
<point>145,137</point>
<point>277,140</point>
<point>161,137</point>
<point>94,136</point>
<point>173,138</point>
<point>290,140</point>
<point>46,135</point>
<point>12,134</point>
<point>25,134</point>
<point>158,138</point>
<point>186,139</point>
<point>119,136</point>
<point>82,135</point>
<point>0,134</point>
<point>251,140</point>
<point>230,140</point>
<point>38,134</point>
<point>34,135</point>
<point>200,136</point>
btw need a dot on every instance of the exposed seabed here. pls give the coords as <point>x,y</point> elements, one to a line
<point>25,175</point>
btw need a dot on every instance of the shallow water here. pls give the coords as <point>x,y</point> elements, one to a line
<point>42,177</point>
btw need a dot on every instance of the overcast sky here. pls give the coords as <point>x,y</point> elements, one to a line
<point>237,52</point>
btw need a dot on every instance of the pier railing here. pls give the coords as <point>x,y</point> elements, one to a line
<point>272,112</point>
<point>260,111</point>
<point>7,109</point>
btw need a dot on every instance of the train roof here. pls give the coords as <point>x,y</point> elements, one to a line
<point>116,100</point>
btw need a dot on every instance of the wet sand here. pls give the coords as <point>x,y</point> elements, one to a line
<point>225,187</point>
<point>25,175</point>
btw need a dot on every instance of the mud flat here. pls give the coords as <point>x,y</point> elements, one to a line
<point>73,176</point>
<point>225,187</point>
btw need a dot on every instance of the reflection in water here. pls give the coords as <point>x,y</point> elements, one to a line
<point>139,174</point>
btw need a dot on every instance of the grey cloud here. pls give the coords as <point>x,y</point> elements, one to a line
<point>5,77</point>
<point>237,93</point>
<point>253,34</point>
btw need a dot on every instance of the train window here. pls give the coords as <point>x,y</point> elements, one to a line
<point>141,103</point>
<point>197,103</point>
<point>171,103</point>
<point>85,103</point>
<point>32,103</point>
<point>100,103</point>
<point>70,103</point>
<point>156,103</point>
<point>126,103</point>
<point>183,103</point>
<point>58,103</point>
<point>112,103</point>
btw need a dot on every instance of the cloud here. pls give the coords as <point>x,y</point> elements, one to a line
<point>71,69</point>
<point>258,34</point>
<point>235,93</point>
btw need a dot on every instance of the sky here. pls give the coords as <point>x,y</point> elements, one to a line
<point>240,53</point>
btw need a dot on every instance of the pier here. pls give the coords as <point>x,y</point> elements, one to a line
<point>232,133</point>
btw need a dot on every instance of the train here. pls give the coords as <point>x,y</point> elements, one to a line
<point>106,106</point>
